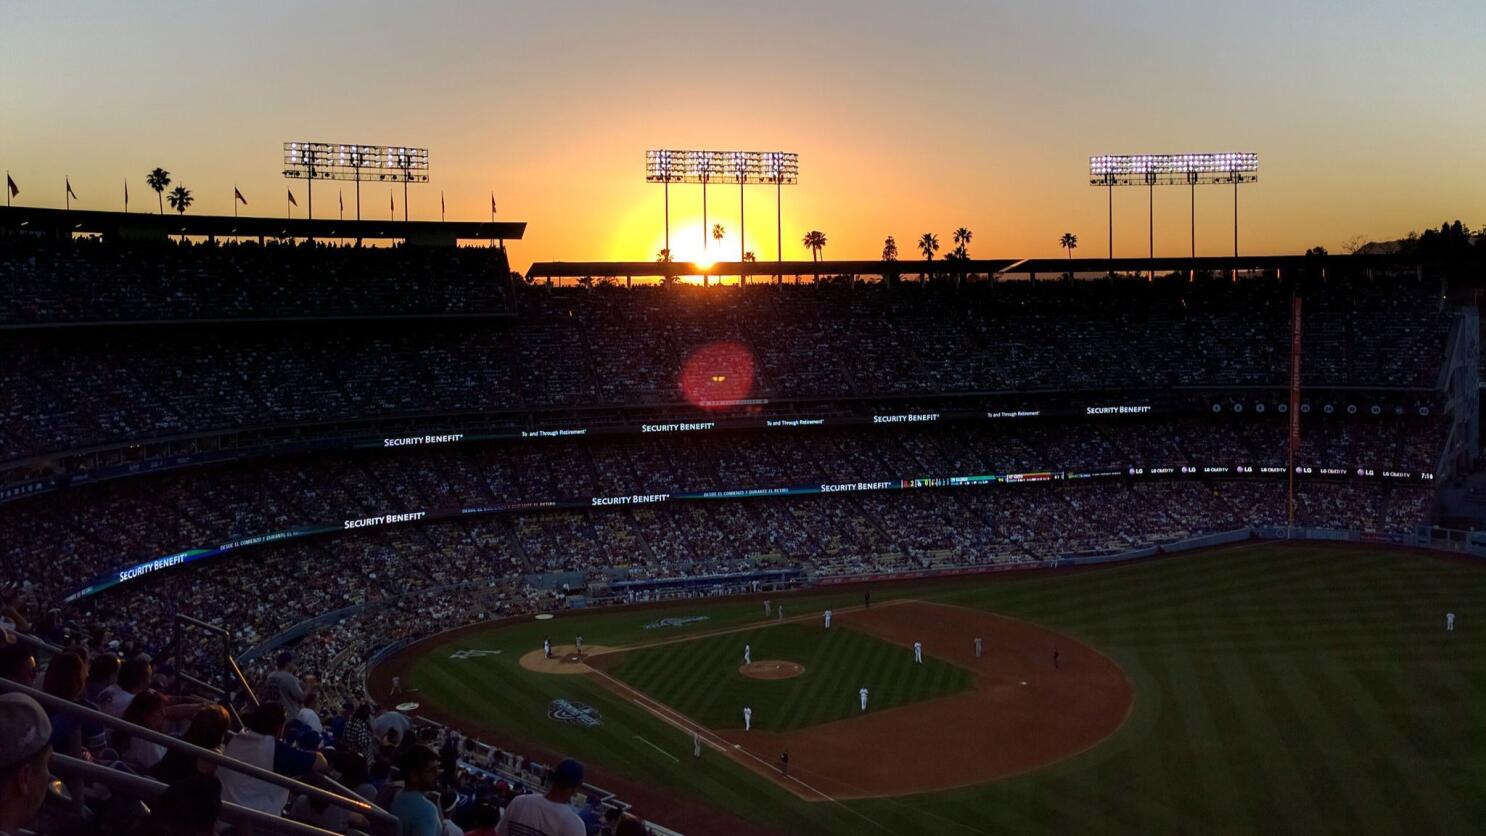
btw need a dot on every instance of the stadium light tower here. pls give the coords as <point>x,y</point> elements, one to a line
<point>1191,170</point>
<point>311,161</point>
<point>779,168</point>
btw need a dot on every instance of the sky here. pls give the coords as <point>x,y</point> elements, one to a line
<point>1368,118</point>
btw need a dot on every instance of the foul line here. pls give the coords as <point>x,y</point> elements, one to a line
<point>657,748</point>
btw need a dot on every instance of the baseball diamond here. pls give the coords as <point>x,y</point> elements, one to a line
<point>1303,662</point>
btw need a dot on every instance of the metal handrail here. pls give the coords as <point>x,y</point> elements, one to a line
<point>229,664</point>
<point>245,820</point>
<point>383,821</point>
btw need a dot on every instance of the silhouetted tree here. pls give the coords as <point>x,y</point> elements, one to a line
<point>664,256</point>
<point>1069,242</point>
<point>962,238</point>
<point>180,199</point>
<point>749,256</point>
<point>158,180</point>
<point>890,249</point>
<point>815,240</point>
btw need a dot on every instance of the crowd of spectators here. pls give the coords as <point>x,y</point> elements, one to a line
<point>90,281</point>
<point>610,347</point>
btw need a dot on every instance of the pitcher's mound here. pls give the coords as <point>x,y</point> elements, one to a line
<point>772,669</point>
<point>564,659</point>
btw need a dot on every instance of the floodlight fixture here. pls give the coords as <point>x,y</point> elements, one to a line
<point>1191,170</point>
<point>776,168</point>
<point>312,161</point>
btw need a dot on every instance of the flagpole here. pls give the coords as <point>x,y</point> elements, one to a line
<point>234,201</point>
<point>8,181</point>
<point>68,195</point>
<point>126,196</point>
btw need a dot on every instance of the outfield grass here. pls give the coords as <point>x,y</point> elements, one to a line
<point>1278,689</point>
<point>700,677</point>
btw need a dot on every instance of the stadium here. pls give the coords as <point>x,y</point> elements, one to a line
<point>389,517</point>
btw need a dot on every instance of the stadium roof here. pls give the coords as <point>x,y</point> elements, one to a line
<point>948,267</point>
<point>617,269</point>
<point>145,226</point>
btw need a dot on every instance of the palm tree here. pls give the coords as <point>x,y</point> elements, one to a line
<point>180,199</point>
<point>664,256</point>
<point>158,180</point>
<point>815,240</point>
<point>750,257</point>
<point>890,249</point>
<point>1069,242</point>
<point>928,245</point>
<point>718,232</point>
<point>962,241</point>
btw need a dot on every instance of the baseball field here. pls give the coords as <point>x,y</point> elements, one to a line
<point>1264,687</point>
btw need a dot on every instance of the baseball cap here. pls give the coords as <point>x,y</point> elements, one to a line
<point>569,773</point>
<point>24,729</point>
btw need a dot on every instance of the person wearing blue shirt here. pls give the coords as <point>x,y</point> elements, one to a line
<point>420,773</point>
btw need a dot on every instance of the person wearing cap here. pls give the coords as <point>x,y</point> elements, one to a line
<point>551,814</point>
<point>25,754</point>
<point>420,775</point>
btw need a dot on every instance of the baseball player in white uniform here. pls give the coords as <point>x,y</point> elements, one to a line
<point>979,647</point>
<point>828,619</point>
<point>696,744</point>
<point>747,654</point>
<point>918,652</point>
<point>397,685</point>
<point>767,611</point>
<point>863,694</point>
<point>747,718</point>
<point>1449,622</point>
<point>579,644</point>
<point>547,648</point>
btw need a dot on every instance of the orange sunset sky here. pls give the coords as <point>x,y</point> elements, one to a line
<point>908,118</point>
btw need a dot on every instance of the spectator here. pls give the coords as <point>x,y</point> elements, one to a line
<point>358,735</point>
<point>147,710</point>
<point>18,664</point>
<point>134,678</point>
<point>412,807</point>
<point>208,729</point>
<point>25,753</point>
<point>283,686</point>
<point>309,716</point>
<point>103,672</point>
<point>483,820</point>
<point>260,746</point>
<point>188,807</point>
<point>66,676</point>
<point>552,814</point>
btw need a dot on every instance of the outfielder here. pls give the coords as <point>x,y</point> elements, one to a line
<point>828,619</point>
<point>747,654</point>
<point>979,647</point>
<point>696,744</point>
<point>767,611</point>
<point>747,718</point>
<point>1449,622</point>
<point>863,694</point>
<point>918,652</point>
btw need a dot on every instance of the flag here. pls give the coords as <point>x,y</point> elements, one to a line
<point>10,184</point>
<point>291,198</point>
<point>441,202</point>
<point>341,196</point>
<point>70,193</point>
<point>238,196</point>
<point>391,207</point>
<point>126,195</point>
<point>492,203</point>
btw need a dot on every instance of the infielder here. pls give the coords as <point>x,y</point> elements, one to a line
<point>747,718</point>
<point>547,648</point>
<point>747,654</point>
<point>979,647</point>
<point>918,652</point>
<point>397,685</point>
<point>1449,622</point>
<point>767,610</point>
<point>579,643</point>
<point>863,694</point>
<point>828,619</point>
